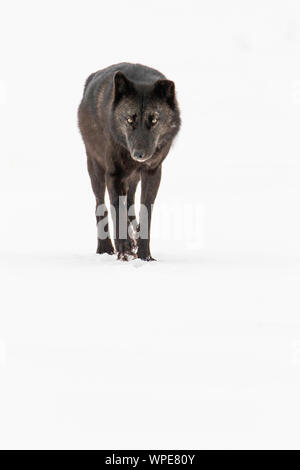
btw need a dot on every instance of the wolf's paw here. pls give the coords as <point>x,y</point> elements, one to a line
<point>145,257</point>
<point>148,258</point>
<point>105,246</point>
<point>126,256</point>
<point>126,249</point>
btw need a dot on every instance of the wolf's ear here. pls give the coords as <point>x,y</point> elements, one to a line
<point>165,89</point>
<point>122,86</point>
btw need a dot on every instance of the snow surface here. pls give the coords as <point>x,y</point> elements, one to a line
<point>200,349</point>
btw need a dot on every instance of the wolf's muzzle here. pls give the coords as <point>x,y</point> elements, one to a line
<point>139,156</point>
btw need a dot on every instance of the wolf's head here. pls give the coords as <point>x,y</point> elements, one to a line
<point>144,117</point>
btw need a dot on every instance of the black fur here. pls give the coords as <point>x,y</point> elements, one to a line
<point>128,118</point>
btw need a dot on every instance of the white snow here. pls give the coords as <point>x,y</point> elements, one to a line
<point>200,349</point>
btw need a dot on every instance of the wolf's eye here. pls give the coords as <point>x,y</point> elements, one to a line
<point>130,120</point>
<point>153,121</point>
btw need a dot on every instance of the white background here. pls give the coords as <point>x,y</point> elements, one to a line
<point>202,348</point>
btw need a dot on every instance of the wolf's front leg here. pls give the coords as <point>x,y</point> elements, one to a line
<point>97,176</point>
<point>132,220</point>
<point>150,184</point>
<point>117,190</point>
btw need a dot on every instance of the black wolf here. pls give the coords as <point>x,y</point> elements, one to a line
<point>128,118</point>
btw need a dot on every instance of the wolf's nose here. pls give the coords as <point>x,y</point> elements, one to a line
<point>138,154</point>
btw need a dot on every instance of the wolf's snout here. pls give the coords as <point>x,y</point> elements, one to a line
<point>138,154</point>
